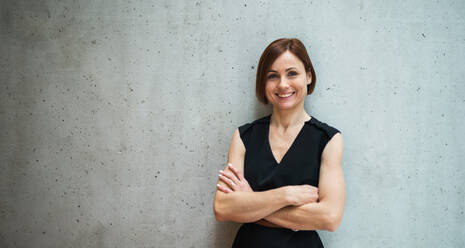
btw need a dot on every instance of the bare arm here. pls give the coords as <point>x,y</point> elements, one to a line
<point>248,206</point>
<point>327,213</point>
<point>243,206</point>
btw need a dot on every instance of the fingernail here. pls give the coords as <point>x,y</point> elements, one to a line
<point>229,164</point>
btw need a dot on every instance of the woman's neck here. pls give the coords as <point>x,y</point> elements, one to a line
<point>288,118</point>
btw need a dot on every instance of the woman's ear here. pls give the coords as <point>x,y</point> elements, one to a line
<point>309,76</point>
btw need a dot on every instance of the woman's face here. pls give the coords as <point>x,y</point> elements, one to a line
<point>286,82</point>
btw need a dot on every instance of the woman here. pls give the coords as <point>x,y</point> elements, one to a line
<point>284,177</point>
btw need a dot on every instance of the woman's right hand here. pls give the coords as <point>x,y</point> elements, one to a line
<point>302,194</point>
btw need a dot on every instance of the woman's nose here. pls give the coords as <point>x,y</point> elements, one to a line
<point>283,82</point>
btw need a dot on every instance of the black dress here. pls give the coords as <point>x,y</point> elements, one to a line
<point>300,165</point>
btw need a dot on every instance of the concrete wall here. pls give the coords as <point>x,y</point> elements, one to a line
<point>116,116</point>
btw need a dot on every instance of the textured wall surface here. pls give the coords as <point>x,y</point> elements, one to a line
<point>116,116</point>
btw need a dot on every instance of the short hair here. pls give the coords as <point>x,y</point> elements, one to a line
<point>271,53</point>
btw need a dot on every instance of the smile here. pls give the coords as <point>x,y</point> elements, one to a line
<point>285,95</point>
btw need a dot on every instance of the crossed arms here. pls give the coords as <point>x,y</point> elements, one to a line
<point>301,207</point>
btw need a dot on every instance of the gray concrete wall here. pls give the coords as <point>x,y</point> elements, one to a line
<point>116,116</point>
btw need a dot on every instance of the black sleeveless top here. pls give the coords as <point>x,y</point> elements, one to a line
<point>300,165</point>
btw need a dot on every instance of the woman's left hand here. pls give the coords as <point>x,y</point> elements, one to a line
<point>234,180</point>
<point>237,182</point>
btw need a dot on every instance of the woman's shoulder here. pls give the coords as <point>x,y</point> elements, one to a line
<point>248,125</point>
<point>327,129</point>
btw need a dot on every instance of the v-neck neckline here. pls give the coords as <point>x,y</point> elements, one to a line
<point>292,144</point>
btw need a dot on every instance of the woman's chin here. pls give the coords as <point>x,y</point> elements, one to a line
<point>284,106</point>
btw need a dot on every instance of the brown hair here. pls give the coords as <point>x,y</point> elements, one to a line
<point>271,53</point>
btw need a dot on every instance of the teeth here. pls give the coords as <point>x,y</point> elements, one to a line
<point>286,95</point>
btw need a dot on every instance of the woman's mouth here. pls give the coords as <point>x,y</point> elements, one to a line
<point>285,96</point>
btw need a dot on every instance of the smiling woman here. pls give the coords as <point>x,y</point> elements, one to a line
<point>294,51</point>
<point>284,176</point>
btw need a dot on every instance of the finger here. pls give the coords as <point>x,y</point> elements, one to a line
<point>236,172</point>
<point>224,189</point>
<point>230,176</point>
<point>227,181</point>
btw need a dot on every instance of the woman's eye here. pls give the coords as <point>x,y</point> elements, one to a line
<point>292,73</point>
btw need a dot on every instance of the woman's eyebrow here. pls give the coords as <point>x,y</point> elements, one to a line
<point>286,69</point>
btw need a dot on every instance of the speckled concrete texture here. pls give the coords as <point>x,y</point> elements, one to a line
<point>116,116</point>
